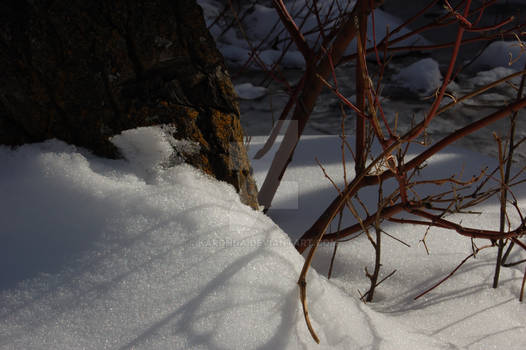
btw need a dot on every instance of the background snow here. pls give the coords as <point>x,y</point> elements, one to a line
<point>422,77</point>
<point>247,91</point>
<point>262,19</point>
<point>501,54</point>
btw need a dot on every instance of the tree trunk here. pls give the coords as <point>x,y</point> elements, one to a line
<point>82,71</point>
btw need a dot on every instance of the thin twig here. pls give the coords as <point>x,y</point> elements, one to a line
<point>452,272</point>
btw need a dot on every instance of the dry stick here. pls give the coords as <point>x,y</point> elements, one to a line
<point>515,263</point>
<point>400,175</point>
<point>450,180</point>
<point>504,193</point>
<point>304,107</point>
<point>452,272</point>
<point>293,30</point>
<point>522,286</point>
<point>481,90</point>
<point>382,65</point>
<point>286,49</point>
<point>465,131</point>
<point>364,90</point>
<point>331,265</point>
<point>234,20</point>
<point>344,168</point>
<point>344,99</point>
<point>523,246</point>
<point>337,203</point>
<point>275,131</point>
<point>349,203</point>
<point>385,213</point>
<point>377,248</point>
<point>396,239</point>
<point>461,19</point>
<point>519,243</point>
<point>436,24</point>
<point>320,24</point>
<point>327,22</point>
<point>410,20</point>
<point>492,27</point>
<point>413,48</point>
<point>481,10</point>
<point>361,85</point>
<point>388,212</point>
<point>302,283</point>
<point>377,284</point>
<point>508,32</point>
<point>436,104</point>
<point>254,50</point>
<point>467,231</point>
<point>410,221</point>
<point>218,17</point>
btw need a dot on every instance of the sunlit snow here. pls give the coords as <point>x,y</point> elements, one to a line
<point>108,254</point>
<point>140,254</point>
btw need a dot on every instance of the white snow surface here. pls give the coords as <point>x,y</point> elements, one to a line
<point>97,256</point>
<point>422,77</point>
<point>114,254</point>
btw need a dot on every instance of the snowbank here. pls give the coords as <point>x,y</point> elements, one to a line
<point>422,77</point>
<point>113,254</point>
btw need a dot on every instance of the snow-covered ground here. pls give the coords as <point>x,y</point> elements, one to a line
<point>114,254</point>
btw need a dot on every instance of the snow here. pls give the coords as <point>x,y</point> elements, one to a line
<point>422,77</point>
<point>262,19</point>
<point>502,54</point>
<point>489,76</point>
<point>121,254</point>
<point>149,253</point>
<point>247,91</point>
<point>465,312</point>
<point>235,54</point>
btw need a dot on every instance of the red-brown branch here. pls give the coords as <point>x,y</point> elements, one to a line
<point>293,30</point>
<point>467,231</point>
<point>312,88</point>
<point>337,203</point>
<point>385,213</point>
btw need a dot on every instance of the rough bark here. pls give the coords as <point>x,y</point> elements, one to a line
<point>82,71</point>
